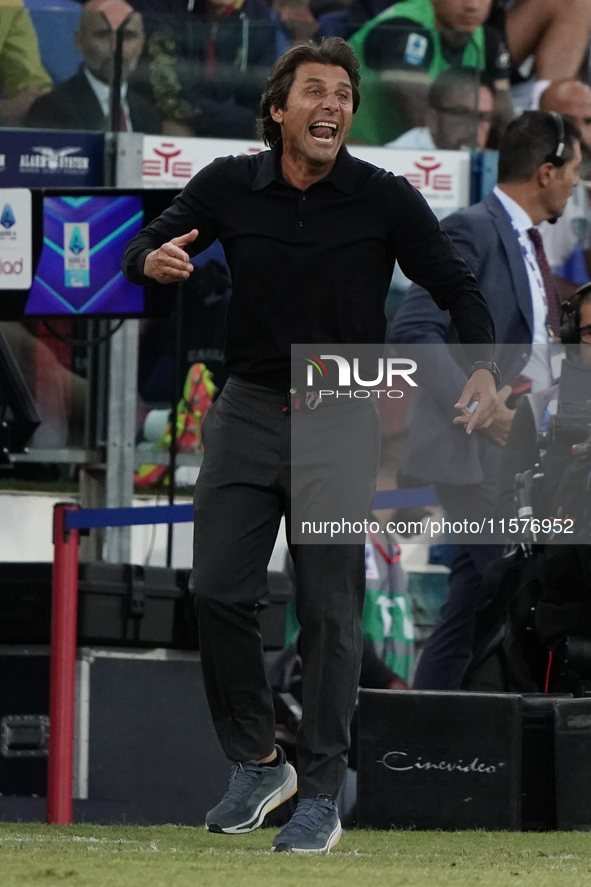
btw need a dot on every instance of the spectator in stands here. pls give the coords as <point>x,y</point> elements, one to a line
<point>554,33</point>
<point>209,74</point>
<point>568,241</point>
<point>459,114</point>
<point>297,23</point>
<point>22,76</point>
<point>407,46</point>
<point>83,101</point>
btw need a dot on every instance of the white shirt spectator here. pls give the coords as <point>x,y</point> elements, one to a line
<point>103,92</point>
<point>419,138</point>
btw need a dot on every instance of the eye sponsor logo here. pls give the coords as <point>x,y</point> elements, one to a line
<point>427,177</point>
<point>175,161</point>
<point>167,163</point>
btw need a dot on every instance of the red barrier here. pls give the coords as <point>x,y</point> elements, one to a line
<point>63,668</point>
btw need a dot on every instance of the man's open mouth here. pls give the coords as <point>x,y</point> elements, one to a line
<point>323,131</point>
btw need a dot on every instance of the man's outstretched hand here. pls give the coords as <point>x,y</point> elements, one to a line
<point>481,388</point>
<point>170,262</point>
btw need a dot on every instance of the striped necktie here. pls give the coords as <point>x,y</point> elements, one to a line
<point>553,301</point>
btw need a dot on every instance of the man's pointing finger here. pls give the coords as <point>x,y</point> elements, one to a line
<point>185,238</point>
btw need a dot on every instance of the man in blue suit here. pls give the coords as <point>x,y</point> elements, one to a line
<point>539,157</point>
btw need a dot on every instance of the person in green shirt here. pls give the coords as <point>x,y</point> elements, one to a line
<point>22,75</point>
<point>403,49</point>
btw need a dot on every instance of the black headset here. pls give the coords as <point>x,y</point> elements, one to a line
<point>570,316</point>
<point>556,158</point>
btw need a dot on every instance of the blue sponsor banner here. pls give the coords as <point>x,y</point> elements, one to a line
<point>31,158</point>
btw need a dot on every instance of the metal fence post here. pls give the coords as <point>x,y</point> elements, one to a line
<point>63,667</point>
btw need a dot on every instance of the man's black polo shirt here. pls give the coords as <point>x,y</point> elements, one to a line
<point>313,266</point>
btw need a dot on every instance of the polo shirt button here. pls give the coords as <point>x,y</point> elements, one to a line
<point>301,224</point>
<point>293,390</point>
<point>303,196</point>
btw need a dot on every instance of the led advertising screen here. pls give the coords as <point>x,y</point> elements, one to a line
<point>79,270</point>
<point>64,248</point>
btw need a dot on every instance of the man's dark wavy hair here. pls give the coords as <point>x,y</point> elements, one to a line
<point>332,51</point>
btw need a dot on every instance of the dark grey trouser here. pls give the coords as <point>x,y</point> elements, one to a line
<point>241,493</point>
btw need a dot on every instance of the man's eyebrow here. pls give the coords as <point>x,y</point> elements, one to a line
<point>343,83</point>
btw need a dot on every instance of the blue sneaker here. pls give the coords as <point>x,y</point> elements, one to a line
<point>253,791</point>
<point>315,827</point>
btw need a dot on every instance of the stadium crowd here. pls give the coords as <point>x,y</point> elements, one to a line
<point>435,74</point>
<point>197,67</point>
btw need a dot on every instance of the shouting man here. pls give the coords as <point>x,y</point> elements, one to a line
<point>311,236</point>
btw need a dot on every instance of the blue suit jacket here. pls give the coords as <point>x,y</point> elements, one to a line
<point>439,451</point>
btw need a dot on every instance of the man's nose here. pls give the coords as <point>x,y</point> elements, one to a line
<point>331,102</point>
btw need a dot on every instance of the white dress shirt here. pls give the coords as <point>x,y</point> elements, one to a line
<point>419,138</point>
<point>103,93</point>
<point>538,367</point>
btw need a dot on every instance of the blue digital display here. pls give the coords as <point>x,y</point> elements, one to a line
<point>79,271</point>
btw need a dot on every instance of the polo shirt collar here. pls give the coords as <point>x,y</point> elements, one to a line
<point>343,175</point>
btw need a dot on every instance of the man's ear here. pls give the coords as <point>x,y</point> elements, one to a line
<point>277,114</point>
<point>546,173</point>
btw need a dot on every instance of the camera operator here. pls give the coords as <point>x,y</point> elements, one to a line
<point>534,415</point>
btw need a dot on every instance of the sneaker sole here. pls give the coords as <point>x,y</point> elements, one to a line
<point>333,840</point>
<point>282,793</point>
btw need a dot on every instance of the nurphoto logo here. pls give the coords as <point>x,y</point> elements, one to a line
<point>388,370</point>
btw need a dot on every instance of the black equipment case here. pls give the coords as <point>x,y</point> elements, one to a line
<point>439,760</point>
<point>573,764</point>
<point>145,750</point>
<point>117,604</point>
<point>474,760</point>
<point>125,605</point>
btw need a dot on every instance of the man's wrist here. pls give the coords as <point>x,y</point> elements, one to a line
<point>142,261</point>
<point>489,365</point>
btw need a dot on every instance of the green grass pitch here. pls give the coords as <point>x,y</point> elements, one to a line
<point>32,855</point>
